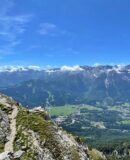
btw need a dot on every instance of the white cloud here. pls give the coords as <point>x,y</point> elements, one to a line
<point>73,68</point>
<point>5,6</point>
<point>97,64</point>
<point>49,69</point>
<point>19,68</point>
<point>34,67</point>
<point>47,28</point>
<point>11,26</point>
<point>51,30</point>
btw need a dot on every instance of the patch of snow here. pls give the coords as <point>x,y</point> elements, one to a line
<point>118,68</point>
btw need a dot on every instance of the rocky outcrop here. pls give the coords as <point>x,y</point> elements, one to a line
<point>4,127</point>
<point>31,135</point>
<point>6,156</point>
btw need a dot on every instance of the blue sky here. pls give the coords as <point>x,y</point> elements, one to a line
<point>64,32</point>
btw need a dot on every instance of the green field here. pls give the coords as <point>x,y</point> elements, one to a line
<point>125,122</point>
<point>69,109</point>
<point>88,107</point>
<point>63,110</point>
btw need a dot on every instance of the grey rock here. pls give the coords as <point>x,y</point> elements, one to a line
<point>4,126</point>
<point>6,156</point>
<point>18,154</point>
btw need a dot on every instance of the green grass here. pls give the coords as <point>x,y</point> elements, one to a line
<point>126,105</point>
<point>69,109</point>
<point>2,106</point>
<point>114,108</point>
<point>95,154</point>
<point>1,147</point>
<point>125,122</point>
<point>74,154</point>
<point>88,107</point>
<point>37,123</point>
<point>63,110</point>
<point>5,109</point>
<point>34,121</point>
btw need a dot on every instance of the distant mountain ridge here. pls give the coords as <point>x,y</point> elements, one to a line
<point>68,85</point>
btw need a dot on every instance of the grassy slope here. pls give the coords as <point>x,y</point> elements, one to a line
<point>63,110</point>
<point>69,109</point>
<point>36,122</point>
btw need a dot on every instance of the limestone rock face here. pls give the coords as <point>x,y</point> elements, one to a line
<point>4,126</point>
<point>5,156</point>
<point>18,154</point>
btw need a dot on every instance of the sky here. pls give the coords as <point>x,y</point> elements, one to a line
<point>64,32</point>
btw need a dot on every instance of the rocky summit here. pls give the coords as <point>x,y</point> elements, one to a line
<point>32,135</point>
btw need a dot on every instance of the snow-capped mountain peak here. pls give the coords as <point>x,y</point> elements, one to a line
<point>18,68</point>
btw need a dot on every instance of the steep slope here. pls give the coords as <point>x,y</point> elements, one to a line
<point>31,135</point>
<point>12,117</point>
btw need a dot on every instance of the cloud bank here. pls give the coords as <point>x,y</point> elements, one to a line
<point>11,27</point>
<point>38,68</point>
<point>73,68</point>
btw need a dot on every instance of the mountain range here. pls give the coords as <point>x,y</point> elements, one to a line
<point>67,85</point>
